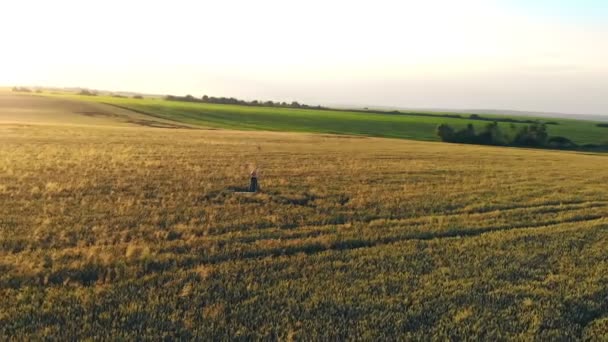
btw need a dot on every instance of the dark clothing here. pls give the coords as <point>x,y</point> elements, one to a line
<point>253,187</point>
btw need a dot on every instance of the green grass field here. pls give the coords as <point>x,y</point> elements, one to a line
<point>117,229</point>
<point>328,121</point>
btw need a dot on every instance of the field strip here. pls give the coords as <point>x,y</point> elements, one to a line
<point>139,111</point>
<point>315,246</point>
<point>530,206</point>
<point>324,229</point>
<point>167,261</point>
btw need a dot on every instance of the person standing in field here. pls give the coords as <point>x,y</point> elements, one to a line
<point>253,187</point>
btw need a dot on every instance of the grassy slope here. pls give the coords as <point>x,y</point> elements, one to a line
<point>327,121</point>
<point>135,233</point>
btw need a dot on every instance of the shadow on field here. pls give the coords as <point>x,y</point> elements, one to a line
<point>99,114</point>
<point>305,199</point>
<point>149,123</point>
<point>238,189</point>
<point>252,247</point>
<point>156,124</point>
<point>126,118</point>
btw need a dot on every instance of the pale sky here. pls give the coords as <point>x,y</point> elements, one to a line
<point>469,54</point>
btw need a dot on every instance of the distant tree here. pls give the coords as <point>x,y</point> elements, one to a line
<point>560,142</point>
<point>533,135</point>
<point>466,135</point>
<point>139,97</point>
<point>540,131</point>
<point>22,89</point>
<point>492,135</point>
<point>87,92</point>
<point>445,133</point>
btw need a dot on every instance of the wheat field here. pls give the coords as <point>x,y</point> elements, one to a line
<point>142,233</point>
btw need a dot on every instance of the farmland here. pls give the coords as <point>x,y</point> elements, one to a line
<point>406,125</point>
<point>120,228</point>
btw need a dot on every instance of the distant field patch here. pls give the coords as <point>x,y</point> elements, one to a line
<point>16,107</point>
<point>416,126</point>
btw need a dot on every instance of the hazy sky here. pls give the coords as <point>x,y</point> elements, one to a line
<point>547,55</point>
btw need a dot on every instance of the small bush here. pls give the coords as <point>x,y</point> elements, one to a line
<point>86,92</point>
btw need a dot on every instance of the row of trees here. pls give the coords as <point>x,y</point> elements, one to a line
<point>86,92</point>
<point>139,97</point>
<point>235,101</point>
<point>22,89</point>
<point>510,120</point>
<point>534,135</point>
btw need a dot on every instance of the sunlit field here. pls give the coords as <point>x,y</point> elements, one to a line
<point>130,231</point>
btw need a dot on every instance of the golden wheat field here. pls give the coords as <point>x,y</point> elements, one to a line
<point>135,232</point>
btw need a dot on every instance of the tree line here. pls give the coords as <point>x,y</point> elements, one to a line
<point>235,101</point>
<point>25,90</point>
<point>295,104</point>
<point>510,120</point>
<point>533,135</point>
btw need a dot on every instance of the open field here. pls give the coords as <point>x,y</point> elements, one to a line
<point>404,125</point>
<point>25,108</point>
<point>135,232</point>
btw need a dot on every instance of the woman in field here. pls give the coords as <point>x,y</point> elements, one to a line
<point>253,187</point>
